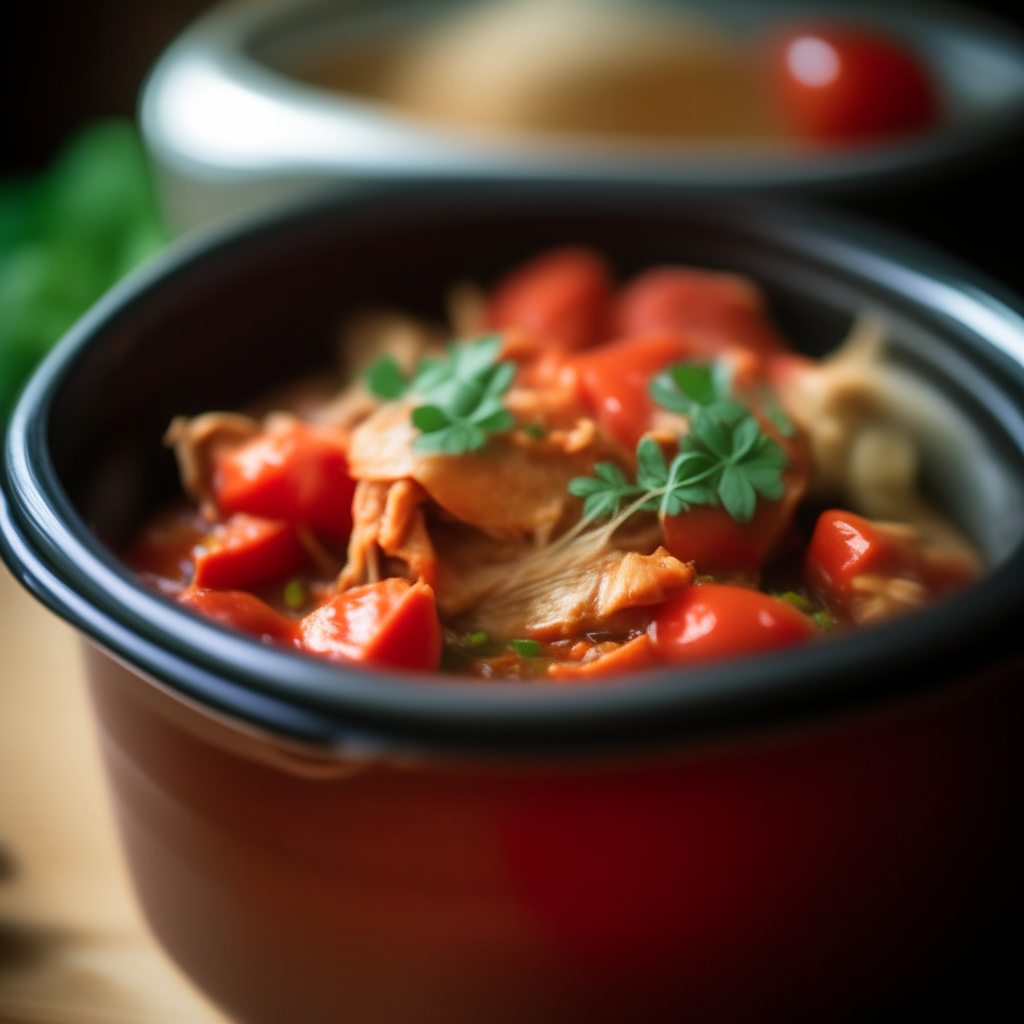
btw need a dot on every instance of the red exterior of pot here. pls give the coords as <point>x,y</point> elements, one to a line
<point>811,874</point>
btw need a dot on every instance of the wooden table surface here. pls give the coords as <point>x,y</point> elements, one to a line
<point>73,947</point>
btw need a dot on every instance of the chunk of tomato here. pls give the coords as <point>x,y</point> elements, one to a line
<point>238,609</point>
<point>390,623</point>
<point>715,311</point>
<point>296,473</point>
<point>562,299</point>
<point>716,620</point>
<point>846,547</point>
<point>245,552</point>
<point>710,538</point>
<point>612,381</point>
<point>849,83</point>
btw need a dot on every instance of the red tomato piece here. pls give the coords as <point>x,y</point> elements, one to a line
<point>164,548</point>
<point>391,623</point>
<point>845,547</point>
<point>633,656</point>
<point>243,611</point>
<point>297,473</point>
<point>561,299</point>
<point>715,311</point>
<point>247,551</point>
<point>612,381</point>
<point>708,536</point>
<point>850,83</point>
<point>718,621</point>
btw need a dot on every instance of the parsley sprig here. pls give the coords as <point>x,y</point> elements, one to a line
<point>693,388</point>
<point>462,394</point>
<point>725,459</point>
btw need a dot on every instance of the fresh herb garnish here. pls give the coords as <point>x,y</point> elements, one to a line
<point>462,394</point>
<point>823,620</point>
<point>525,648</point>
<point>692,388</point>
<point>477,639</point>
<point>725,459</point>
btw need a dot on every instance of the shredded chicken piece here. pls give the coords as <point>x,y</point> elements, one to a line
<point>883,474</point>
<point>196,442</point>
<point>547,407</point>
<point>467,309</point>
<point>880,597</point>
<point>388,518</point>
<point>363,341</point>
<point>514,488</point>
<point>862,455</point>
<point>832,401</point>
<point>580,596</point>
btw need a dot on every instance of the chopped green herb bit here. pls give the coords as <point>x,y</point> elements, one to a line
<point>535,430</point>
<point>798,601</point>
<point>295,594</point>
<point>525,648</point>
<point>823,620</point>
<point>477,639</point>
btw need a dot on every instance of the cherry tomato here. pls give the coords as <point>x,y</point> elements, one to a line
<point>709,537</point>
<point>392,623</point>
<point>164,548</point>
<point>298,474</point>
<point>850,83</point>
<point>720,621</point>
<point>247,551</point>
<point>243,611</point>
<point>845,547</point>
<point>715,311</point>
<point>612,381</point>
<point>562,299</point>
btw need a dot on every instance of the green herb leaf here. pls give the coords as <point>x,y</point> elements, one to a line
<point>477,639</point>
<point>385,379</point>
<point>525,648</point>
<point>464,397</point>
<point>719,462</point>
<point>429,418</point>
<point>603,493</point>
<point>651,471</point>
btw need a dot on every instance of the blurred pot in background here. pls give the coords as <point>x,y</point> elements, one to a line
<point>262,101</point>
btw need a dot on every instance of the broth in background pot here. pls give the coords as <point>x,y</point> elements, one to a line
<point>600,68</point>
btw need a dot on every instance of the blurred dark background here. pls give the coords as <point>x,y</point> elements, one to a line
<point>64,62</point>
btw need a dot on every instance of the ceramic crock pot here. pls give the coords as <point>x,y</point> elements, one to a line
<point>233,126</point>
<point>821,833</point>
